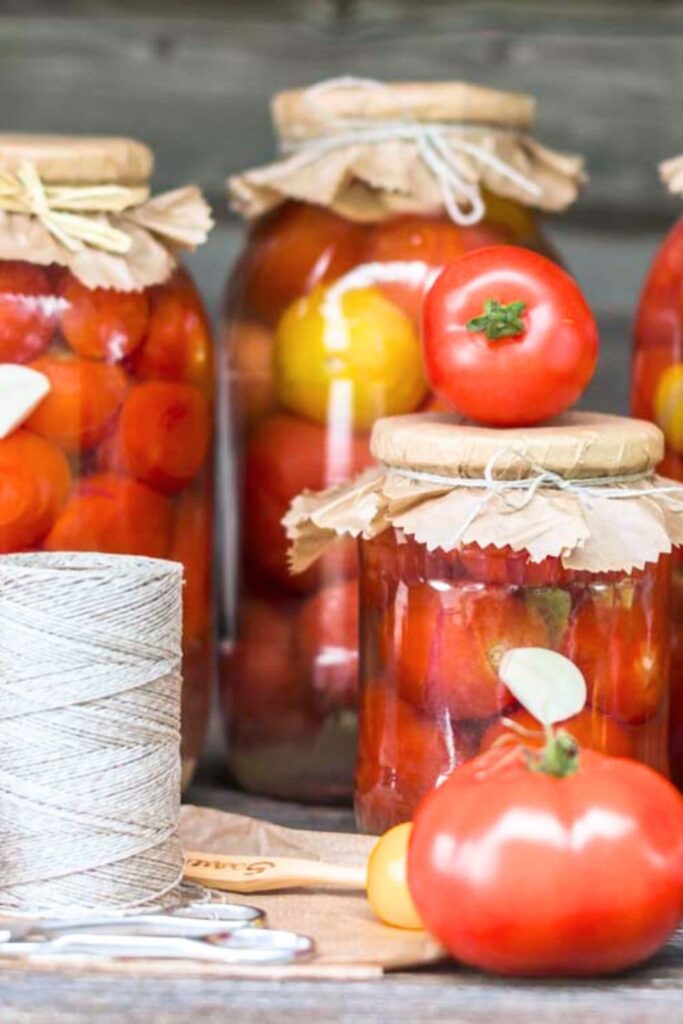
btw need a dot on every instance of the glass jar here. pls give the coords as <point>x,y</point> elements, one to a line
<point>475,541</point>
<point>435,626</point>
<point>656,394</point>
<point>321,338</point>
<point>117,455</point>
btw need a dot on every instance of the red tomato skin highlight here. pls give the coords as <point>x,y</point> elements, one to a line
<point>518,380</point>
<point>522,873</point>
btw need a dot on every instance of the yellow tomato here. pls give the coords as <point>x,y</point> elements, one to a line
<point>348,353</point>
<point>387,886</point>
<point>668,406</point>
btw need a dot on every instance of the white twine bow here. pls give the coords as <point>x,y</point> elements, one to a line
<point>437,144</point>
<point>584,488</point>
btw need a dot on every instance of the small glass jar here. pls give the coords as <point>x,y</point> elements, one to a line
<point>116,455</point>
<point>322,338</point>
<point>474,542</point>
<point>435,628</point>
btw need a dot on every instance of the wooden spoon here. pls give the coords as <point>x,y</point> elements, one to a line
<point>265,874</point>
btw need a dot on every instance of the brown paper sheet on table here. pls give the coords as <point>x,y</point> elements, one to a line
<point>351,943</point>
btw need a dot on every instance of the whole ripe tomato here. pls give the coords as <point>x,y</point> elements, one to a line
<point>284,456</point>
<point>348,353</point>
<point>402,754</point>
<point>428,244</point>
<point>290,251</point>
<point>260,685</point>
<point>503,565</point>
<point>509,338</point>
<point>620,652</point>
<point>524,872</point>
<point>327,636</point>
<point>451,641</point>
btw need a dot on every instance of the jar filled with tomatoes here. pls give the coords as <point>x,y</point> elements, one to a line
<point>379,188</point>
<point>106,373</point>
<point>657,394</point>
<point>475,541</point>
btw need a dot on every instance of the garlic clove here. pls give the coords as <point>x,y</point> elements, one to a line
<point>21,391</point>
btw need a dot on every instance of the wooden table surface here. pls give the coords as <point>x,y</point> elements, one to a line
<point>651,994</point>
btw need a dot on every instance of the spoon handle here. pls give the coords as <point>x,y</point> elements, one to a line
<point>264,874</point>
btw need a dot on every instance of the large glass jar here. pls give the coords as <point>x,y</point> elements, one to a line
<point>321,339</point>
<point>657,394</point>
<point>114,452</point>
<point>475,541</point>
<point>437,624</point>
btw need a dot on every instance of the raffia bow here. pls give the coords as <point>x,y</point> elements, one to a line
<point>67,210</point>
<point>109,235</point>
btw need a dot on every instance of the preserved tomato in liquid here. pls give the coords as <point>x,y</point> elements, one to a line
<point>321,339</point>
<point>434,628</point>
<point>117,457</point>
<point>657,394</point>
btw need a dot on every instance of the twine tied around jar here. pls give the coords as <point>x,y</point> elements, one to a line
<point>370,150</point>
<point>583,487</point>
<point>89,732</point>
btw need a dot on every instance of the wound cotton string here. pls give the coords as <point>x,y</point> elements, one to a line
<point>89,732</point>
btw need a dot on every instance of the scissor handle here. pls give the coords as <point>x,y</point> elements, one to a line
<point>262,947</point>
<point>196,920</point>
<point>234,913</point>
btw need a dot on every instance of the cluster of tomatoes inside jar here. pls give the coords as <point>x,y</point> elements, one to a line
<point>116,457</point>
<point>657,394</point>
<point>323,338</point>
<point>436,628</point>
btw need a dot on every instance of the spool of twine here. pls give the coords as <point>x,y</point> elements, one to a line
<point>89,732</point>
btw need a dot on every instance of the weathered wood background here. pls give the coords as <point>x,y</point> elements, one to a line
<point>193,79</point>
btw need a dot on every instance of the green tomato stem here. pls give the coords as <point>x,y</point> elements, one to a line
<point>499,321</point>
<point>559,757</point>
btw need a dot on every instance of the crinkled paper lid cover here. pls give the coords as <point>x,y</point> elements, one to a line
<point>329,158</point>
<point>582,488</point>
<point>84,203</point>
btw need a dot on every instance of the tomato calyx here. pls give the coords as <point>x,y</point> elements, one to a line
<point>499,320</point>
<point>559,757</point>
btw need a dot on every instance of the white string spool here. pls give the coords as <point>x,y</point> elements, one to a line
<point>89,732</point>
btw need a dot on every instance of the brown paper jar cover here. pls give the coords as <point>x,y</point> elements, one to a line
<point>86,205</point>
<point>363,179</point>
<point>595,502</point>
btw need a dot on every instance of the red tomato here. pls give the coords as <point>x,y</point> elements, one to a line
<point>178,343</point>
<point>101,323</point>
<point>402,754</point>
<point>28,311</point>
<point>82,403</point>
<point>111,513</point>
<point>621,654</point>
<point>429,244</point>
<point>451,641</point>
<point>261,687</point>
<point>589,728</point>
<point>292,250</point>
<point>503,565</point>
<point>163,435</point>
<point>284,456</point>
<point>521,872</point>
<point>509,338</point>
<point>327,631</point>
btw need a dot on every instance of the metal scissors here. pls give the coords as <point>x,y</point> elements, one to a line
<point>217,932</point>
